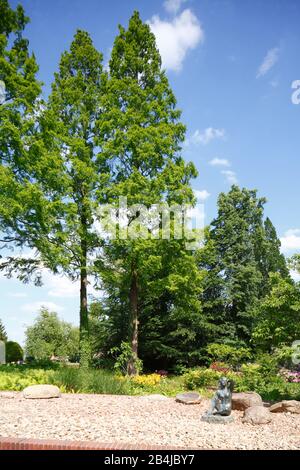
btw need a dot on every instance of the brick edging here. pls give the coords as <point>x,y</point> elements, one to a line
<point>14,443</point>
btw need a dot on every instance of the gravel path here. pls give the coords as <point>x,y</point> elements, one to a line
<point>140,420</point>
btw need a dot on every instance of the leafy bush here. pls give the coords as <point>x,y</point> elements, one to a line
<point>220,367</point>
<point>14,352</point>
<point>228,354</point>
<point>19,377</point>
<point>283,356</point>
<point>201,378</point>
<point>147,381</point>
<point>123,355</point>
<point>68,379</point>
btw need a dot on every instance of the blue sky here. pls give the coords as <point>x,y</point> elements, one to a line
<point>231,64</point>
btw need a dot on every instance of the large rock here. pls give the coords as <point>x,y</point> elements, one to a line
<point>189,398</point>
<point>242,401</point>
<point>41,391</point>
<point>286,406</point>
<point>257,415</point>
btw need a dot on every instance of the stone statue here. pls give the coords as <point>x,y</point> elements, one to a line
<point>220,408</point>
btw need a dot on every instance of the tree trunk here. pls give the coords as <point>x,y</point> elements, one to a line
<point>85,350</point>
<point>134,324</point>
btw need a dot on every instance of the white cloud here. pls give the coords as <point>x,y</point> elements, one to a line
<point>175,38</point>
<point>269,61</point>
<point>230,176</point>
<point>173,6</point>
<point>17,295</point>
<point>207,135</point>
<point>295,275</point>
<point>274,83</point>
<point>219,162</point>
<point>290,240</point>
<point>196,217</point>
<point>60,286</point>
<point>34,307</point>
<point>201,195</point>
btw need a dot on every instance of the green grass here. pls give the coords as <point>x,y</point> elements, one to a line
<point>89,381</point>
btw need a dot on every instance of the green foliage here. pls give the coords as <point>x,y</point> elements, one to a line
<point>229,354</point>
<point>14,352</point>
<point>205,378</point>
<point>240,252</point>
<point>89,381</point>
<point>261,378</point>
<point>16,378</point>
<point>68,379</point>
<point>102,135</point>
<point>123,355</point>
<point>283,356</point>
<point>142,133</point>
<point>3,335</point>
<point>278,315</point>
<point>19,196</point>
<point>49,336</point>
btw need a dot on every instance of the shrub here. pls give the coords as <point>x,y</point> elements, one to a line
<point>220,367</point>
<point>123,355</point>
<point>228,354</point>
<point>146,381</point>
<point>199,378</point>
<point>14,352</point>
<point>89,381</point>
<point>18,377</point>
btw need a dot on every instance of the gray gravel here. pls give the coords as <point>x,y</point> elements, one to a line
<point>133,420</point>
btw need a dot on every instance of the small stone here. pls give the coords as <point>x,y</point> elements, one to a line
<point>154,396</point>
<point>217,419</point>
<point>286,406</point>
<point>41,392</point>
<point>189,398</point>
<point>257,415</point>
<point>242,401</point>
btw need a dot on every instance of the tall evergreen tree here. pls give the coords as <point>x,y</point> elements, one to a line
<point>20,92</point>
<point>142,135</point>
<point>73,172</point>
<point>243,250</point>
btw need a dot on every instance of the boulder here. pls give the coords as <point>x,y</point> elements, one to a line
<point>286,406</point>
<point>189,398</point>
<point>41,391</point>
<point>242,401</point>
<point>257,415</point>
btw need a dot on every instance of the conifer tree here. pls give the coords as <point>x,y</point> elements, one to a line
<point>142,136</point>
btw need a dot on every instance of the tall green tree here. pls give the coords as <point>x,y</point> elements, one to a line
<point>241,251</point>
<point>19,197</point>
<point>142,136</point>
<point>49,336</point>
<point>75,173</point>
<point>278,315</point>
